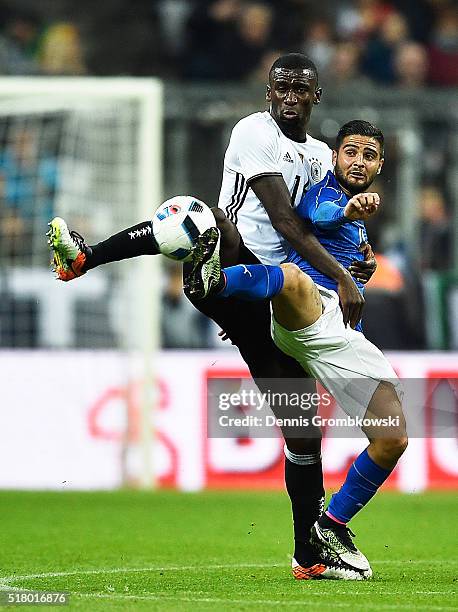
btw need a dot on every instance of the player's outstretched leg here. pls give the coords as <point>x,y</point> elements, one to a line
<point>72,256</point>
<point>366,475</point>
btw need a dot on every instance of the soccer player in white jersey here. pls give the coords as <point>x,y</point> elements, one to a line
<point>269,163</point>
<point>307,324</point>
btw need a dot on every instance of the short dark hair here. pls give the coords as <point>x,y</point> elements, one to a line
<point>292,61</point>
<point>360,128</point>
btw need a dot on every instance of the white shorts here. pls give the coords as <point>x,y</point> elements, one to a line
<point>340,358</point>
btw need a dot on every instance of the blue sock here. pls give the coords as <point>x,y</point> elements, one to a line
<point>252,282</point>
<point>363,480</point>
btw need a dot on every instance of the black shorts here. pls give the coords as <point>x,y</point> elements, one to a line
<point>247,323</point>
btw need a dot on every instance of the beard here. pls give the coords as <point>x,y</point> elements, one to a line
<point>352,188</point>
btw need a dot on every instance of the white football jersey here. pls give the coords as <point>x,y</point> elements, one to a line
<point>258,147</point>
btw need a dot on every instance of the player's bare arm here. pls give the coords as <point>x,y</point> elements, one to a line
<point>274,194</point>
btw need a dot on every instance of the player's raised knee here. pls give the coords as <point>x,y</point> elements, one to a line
<point>295,279</point>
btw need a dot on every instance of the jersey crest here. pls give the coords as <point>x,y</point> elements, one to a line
<point>315,170</point>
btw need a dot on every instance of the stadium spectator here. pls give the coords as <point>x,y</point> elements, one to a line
<point>396,299</point>
<point>344,68</point>
<point>381,48</point>
<point>384,297</point>
<point>411,65</point>
<point>227,40</point>
<point>24,29</point>
<point>420,17</point>
<point>290,18</point>
<point>173,15</point>
<point>443,50</point>
<point>319,43</point>
<point>394,293</point>
<point>122,38</point>
<point>435,230</point>
<point>18,43</point>
<point>61,52</point>
<point>254,27</point>
<point>211,31</point>
<point>361,19</point>
<point>266,61</point>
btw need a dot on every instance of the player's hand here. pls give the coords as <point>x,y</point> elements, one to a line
<point>351,301</point>
<point>362,206</point>
<point>223,335</point>
<point>362,271</point>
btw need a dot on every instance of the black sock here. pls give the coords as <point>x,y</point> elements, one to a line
<point>327,522</point>
<point>131,242</point>
<point>304,484</point>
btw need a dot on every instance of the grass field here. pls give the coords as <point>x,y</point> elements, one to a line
<point>219,551</point>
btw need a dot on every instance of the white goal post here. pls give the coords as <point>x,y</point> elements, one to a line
<point>90,150</point>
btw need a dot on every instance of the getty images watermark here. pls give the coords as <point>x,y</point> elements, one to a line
<point>239,408</point>
<point>307,402</point>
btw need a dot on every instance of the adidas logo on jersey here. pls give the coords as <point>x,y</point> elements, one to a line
<point>287,157</point>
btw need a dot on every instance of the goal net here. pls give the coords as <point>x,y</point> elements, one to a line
<point>88,150</point>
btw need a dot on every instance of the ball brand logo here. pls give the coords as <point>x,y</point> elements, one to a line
<point>173,209</point>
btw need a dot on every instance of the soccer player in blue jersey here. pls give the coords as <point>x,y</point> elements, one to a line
<point>307,324</point>
<point>337,218</point>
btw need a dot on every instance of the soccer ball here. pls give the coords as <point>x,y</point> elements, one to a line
<point>178,222</point>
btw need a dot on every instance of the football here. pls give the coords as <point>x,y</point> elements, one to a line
<point>177,223</point>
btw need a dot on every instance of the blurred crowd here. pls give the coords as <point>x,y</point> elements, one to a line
<point>408,43</point>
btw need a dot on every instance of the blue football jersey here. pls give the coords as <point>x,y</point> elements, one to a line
<point>323,207</point>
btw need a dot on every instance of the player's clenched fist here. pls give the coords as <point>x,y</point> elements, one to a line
<point>362,206</point>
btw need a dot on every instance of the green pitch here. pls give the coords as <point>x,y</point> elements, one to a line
<point>219,551</point>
